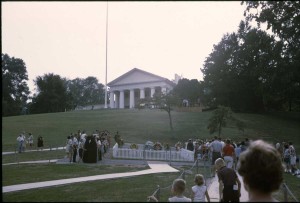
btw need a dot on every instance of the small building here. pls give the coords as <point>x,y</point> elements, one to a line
<point>136,84</point>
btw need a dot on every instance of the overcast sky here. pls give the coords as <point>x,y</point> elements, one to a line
<point>69,38</point>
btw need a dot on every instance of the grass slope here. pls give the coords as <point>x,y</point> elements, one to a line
<point>138,126</point>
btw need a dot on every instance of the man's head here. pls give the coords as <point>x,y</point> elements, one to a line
<point>219,163</point>
<point>261,167</point>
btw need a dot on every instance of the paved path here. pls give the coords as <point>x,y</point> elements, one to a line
<point>213,190</point>
<point>35,150</point>
<point>155,167</point>
<point>32,162</point>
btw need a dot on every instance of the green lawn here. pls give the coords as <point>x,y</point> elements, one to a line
<point>141,125</point>
<point>134,126</point>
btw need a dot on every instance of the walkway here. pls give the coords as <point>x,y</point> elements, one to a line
<point>35,150</point>
<point>155,167</point>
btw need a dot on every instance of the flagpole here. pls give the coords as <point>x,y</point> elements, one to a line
<point>105,104</point>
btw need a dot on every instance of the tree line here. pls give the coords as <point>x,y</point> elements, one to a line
<point>250,70</point>
<point>253,71</point>
<point>53,92</point>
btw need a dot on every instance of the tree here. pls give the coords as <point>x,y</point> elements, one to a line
<point>75,91</point>
<point>93,92</point>
<point>85,91</point>
<point>258,62</point>
<point>218,71</point>
<point>188,89</point>
<point>241,71</point>
<point>52,94</point>
<point>283,18</point>
<point>166,102</point>
<point>218,119</point>
<point>15,90</point>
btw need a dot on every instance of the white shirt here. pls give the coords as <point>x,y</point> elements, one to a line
<point>20,139</point>
<point>216,146</point>
<point>179,199</point>
<point>237,151</point>
<point>30,138</point>
<point>199,192</point>
<point>99,143</point>
<point>75,141</point>
<point>69,142</point>
<point>223,144</point>
<point>82,136</point>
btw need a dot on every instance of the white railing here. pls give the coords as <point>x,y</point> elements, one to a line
<point>140,153</point>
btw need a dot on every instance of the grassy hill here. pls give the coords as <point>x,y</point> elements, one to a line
<point>139,126</point>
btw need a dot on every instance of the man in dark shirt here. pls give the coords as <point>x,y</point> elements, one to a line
<point>229,183</point>
<point>190,145</point>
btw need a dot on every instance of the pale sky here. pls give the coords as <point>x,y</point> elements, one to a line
<point>163,38</point>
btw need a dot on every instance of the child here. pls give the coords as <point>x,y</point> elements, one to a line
<point>178,189</point>
<point>199,191</point>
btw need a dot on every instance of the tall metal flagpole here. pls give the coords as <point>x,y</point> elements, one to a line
<point>105,104</point>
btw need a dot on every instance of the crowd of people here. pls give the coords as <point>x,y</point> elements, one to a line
<point>230,151</point>
<point>95,145</point>
<point>288,154</point>
<point>23,141</point>
<point>260,166</point>
<point>89,148</point>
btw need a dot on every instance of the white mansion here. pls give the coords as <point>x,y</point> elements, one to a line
<point>136,84</point>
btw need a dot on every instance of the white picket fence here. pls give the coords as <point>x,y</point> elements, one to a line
<point>163,155</point>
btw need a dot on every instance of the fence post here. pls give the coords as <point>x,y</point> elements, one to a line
<point>158,193</point>
<point>166,154</point>
<point>183,174</point>
<point>285,195</point>
<point>170,156</point>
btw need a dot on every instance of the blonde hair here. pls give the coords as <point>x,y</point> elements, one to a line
<point>178,186</point>
<point>199,179</point>
<point>219,163</point>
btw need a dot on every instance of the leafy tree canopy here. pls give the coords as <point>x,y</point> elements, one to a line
<point>188,89</point>
<point>15,91</point>
<point>52,94</point>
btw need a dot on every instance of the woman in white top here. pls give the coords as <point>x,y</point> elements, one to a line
<point>199,191</point>
<point>69,148</point>
<point>30,140</point>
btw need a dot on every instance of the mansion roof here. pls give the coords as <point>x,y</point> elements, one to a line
<point>138,76</point>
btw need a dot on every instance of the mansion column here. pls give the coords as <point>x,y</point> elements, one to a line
<point>142,93</point>
<point>111,100</point>
<point>152,91</point>
<point>121,99</point>
<point>131,99</point>
<point>164,90</point>
<point>117,99</point>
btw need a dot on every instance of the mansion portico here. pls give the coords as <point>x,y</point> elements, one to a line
<point>136,84</point>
